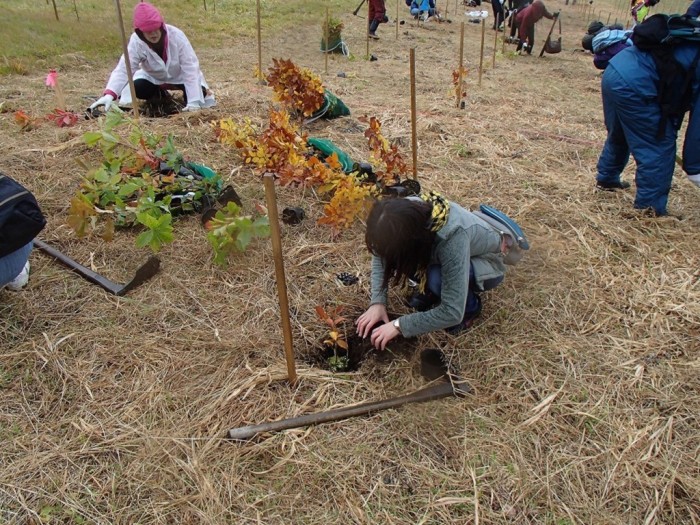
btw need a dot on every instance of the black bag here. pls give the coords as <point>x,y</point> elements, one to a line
<point>20,216</point>
<point>657,35</point>
<point>553,46</point>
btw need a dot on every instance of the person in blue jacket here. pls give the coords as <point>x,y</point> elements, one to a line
<point>632,116</point>
<point>422,9</point>
<point>694,9</point>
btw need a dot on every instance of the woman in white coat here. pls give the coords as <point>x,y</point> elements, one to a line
<point>162,59</point>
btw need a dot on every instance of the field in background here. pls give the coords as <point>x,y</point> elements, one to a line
<point>585,363</point>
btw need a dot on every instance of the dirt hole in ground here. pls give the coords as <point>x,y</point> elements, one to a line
<point>335,359</point>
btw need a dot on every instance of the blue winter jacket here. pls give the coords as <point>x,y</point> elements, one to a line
<point>637,70</point>
<point>694,9</point>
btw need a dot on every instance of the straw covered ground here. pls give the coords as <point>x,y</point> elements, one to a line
<point>584,365</point>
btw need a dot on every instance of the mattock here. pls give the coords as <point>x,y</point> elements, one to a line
<point>451,384</point>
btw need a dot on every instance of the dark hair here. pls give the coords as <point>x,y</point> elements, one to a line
<point>398,232</point>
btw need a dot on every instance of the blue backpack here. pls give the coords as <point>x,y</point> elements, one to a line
<point>658,35</point>
<point>20,216</point>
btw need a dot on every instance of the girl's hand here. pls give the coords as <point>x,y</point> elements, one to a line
<point>383,334</point>
<point>374,314</point>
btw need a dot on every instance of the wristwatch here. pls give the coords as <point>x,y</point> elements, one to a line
<point>395,322</point>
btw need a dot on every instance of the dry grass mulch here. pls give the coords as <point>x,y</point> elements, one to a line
<point>585,363</point>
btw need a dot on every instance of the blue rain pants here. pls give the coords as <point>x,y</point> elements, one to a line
<point>632,123</point>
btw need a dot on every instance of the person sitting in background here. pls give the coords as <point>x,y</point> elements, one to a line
<point>162,59</point>
<point>422,9</point>
<point>452,253</point>
<point>633,118</point>
<point>525,21</point>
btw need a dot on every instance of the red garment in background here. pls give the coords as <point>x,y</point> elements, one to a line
<point>377,11</point>
<point>528,17</point>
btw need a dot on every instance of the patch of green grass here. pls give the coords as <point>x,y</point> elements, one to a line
<point>31,32</point>
<point>13,66</point>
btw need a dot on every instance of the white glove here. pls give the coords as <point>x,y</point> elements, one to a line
<point>192,107</point>
<point>695,179</point>
<point>105,101</point>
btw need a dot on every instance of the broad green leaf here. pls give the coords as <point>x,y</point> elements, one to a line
<point>108,137</point>
<point>92,137</point>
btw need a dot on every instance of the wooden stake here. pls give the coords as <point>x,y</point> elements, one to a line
<point>481,58</point>
<point>367,30</point>
<point>259,43</point>
<point>608,22</point>
<point>214,3</point>
<point>272,213</point>
<point>325,37</point>
<point>503,40</point>
<point>55,10</point>
<point>397,19</point>
<point>205,5</point>
<point>60,97</point>
<point>495,45</point>
<point>127,60</point>
<point>75,7</point>
<point>414,137</point>
<point>447,9</point>
<point>461,66</point>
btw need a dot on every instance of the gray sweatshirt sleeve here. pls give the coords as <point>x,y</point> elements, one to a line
<point>378,293</point>
<point>453,254</point>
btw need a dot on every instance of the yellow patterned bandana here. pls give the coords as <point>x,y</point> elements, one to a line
<point>441,209</point>
<point>438,218</point>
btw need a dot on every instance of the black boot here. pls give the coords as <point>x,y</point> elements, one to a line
<point>373,25</point>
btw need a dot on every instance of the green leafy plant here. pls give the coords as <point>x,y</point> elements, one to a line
<point>231,232</point>
<point>333,28</point>
<point>142,180</point>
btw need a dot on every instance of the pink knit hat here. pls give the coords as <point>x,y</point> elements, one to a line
<point>146,17</point>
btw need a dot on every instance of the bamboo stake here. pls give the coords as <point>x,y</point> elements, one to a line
<point>60,97</point>
<point>495,45</point>
<point>75,7</point>
<point>367,30</point>
<point>481,58</point>
<point>205,5</point>
<point>127,60</point>
<point>273,215</point>
<point>55,10</point>
<point>461,66</point>
<point>325,38</point>
<point>503,40</point>
<point>414,137</point>
<point>608,22</point>
<point>397,19</point>
<point>214,2</point>
<point>259,43</point>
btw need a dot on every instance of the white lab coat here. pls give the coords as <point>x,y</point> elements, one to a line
<point>182,67</point>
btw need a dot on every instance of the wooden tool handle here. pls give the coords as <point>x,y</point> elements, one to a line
<point>443,389</point>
